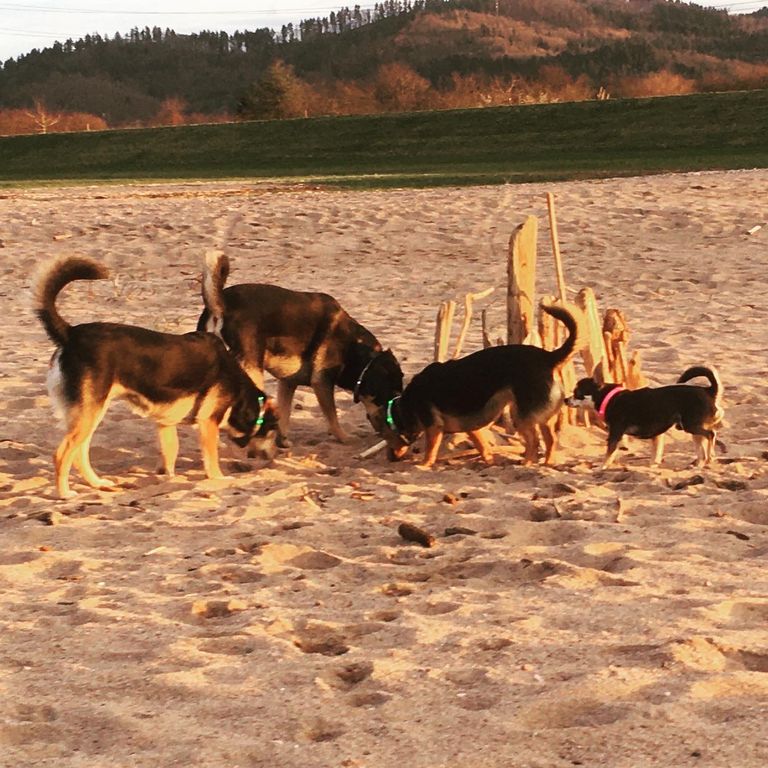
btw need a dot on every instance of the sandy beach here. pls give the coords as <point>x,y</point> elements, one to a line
<point>585,617</point>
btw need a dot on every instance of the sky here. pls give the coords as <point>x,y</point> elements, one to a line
<point>25,25</point>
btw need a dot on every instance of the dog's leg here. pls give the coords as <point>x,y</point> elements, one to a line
<point>711,446</point>
<point>169,448</point>
<point>704,442</point>
<point>658,450</point>
<point>82,462</point>
<point>83,422</point>
<point>324,392</point>
<point>698,442</point>
<point>433,436</point>
<point>703,439</point>
<point>480,442</point>
<point>550,442</point>
<point>531,442</point>
<point>611,449</point>
<point>209,445</point>
<point>82,459</point>
<point>285,393</point>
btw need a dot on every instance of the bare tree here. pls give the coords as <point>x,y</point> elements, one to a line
<point>43,118</point>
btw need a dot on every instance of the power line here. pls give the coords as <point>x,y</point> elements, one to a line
<point>242,12</point>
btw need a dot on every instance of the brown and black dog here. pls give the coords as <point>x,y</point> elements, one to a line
<point>469,394</point>
<point>166,377</point>
<point>300,338</point>
<point>648,413</point>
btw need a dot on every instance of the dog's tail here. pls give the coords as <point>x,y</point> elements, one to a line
<point>710,373</point>
<point>563,353</point>
<point>215,273</point>
<point>51,282</point>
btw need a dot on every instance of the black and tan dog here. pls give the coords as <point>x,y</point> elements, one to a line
<point>166,377</point>
<point>649,412</point>
<point>469,394</point>
<point>301,339</point>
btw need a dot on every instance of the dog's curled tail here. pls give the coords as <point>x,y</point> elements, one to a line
<point>710,373</point>
<point>215,274</point>
<point>52,280</point>
<point>563,353</point>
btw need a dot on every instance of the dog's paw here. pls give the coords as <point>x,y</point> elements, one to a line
<point>67,495</point>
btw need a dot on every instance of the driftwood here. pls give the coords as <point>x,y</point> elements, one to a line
<point>469,301</point>
<point>556,247</point>
<point>445,315</point>
<point>635,377</point>
<point>443,329</point>
<point>373,450</point>
<point>616,337</point>
<point>593,351</point>
<point>620,368</point>
<point>521,281</point>
<point>411,532</point>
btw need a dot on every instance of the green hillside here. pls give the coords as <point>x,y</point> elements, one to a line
<point>509,144</point>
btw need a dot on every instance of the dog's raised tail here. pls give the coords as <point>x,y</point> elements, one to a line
<point>215,274</point>
<point>564,352</point>
<point>51,282</point>
<point>710,373</point>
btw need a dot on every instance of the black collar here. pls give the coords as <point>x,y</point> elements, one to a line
<point>356,391</point>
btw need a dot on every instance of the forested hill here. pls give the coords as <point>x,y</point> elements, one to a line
<point>400,55</point>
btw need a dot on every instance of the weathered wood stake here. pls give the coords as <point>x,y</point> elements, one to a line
<point>521,281</point>
<point>556,247</point>
<point>469,300</point>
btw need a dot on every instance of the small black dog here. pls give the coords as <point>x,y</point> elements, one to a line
<point>649,412</point>
<point>301,339</point>
<point>166,377</point>
<point>469,394</point>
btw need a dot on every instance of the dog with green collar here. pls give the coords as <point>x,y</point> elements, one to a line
<point>469,394</point>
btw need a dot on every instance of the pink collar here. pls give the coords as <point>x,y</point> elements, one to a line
<point>607,399</point>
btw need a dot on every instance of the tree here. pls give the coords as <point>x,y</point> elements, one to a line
<point>278,94</point>
<point>399,88</point>
<point>171,112</point>
<point>43,119</point>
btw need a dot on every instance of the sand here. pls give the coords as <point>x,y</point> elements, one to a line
<point>586,617</point>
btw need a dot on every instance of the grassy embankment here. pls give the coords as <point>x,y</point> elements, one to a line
<point>483,146</point>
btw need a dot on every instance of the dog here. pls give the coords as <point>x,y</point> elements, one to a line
<point>469,394</point>
<point>302,339</point>
<point>648,413</point>
<point>166,377</point>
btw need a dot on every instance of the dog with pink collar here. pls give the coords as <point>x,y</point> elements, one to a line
<point>648,413</point>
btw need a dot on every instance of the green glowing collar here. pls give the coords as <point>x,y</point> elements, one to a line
<point>260,418</point>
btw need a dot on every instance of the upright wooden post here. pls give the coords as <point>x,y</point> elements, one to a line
<point>556,247</point>
<point>616,335</point>
<point>635,377</point>
<point>521,281</point>
<point>547,325</point>
<point>593,352</point>
<point>443,329</point>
